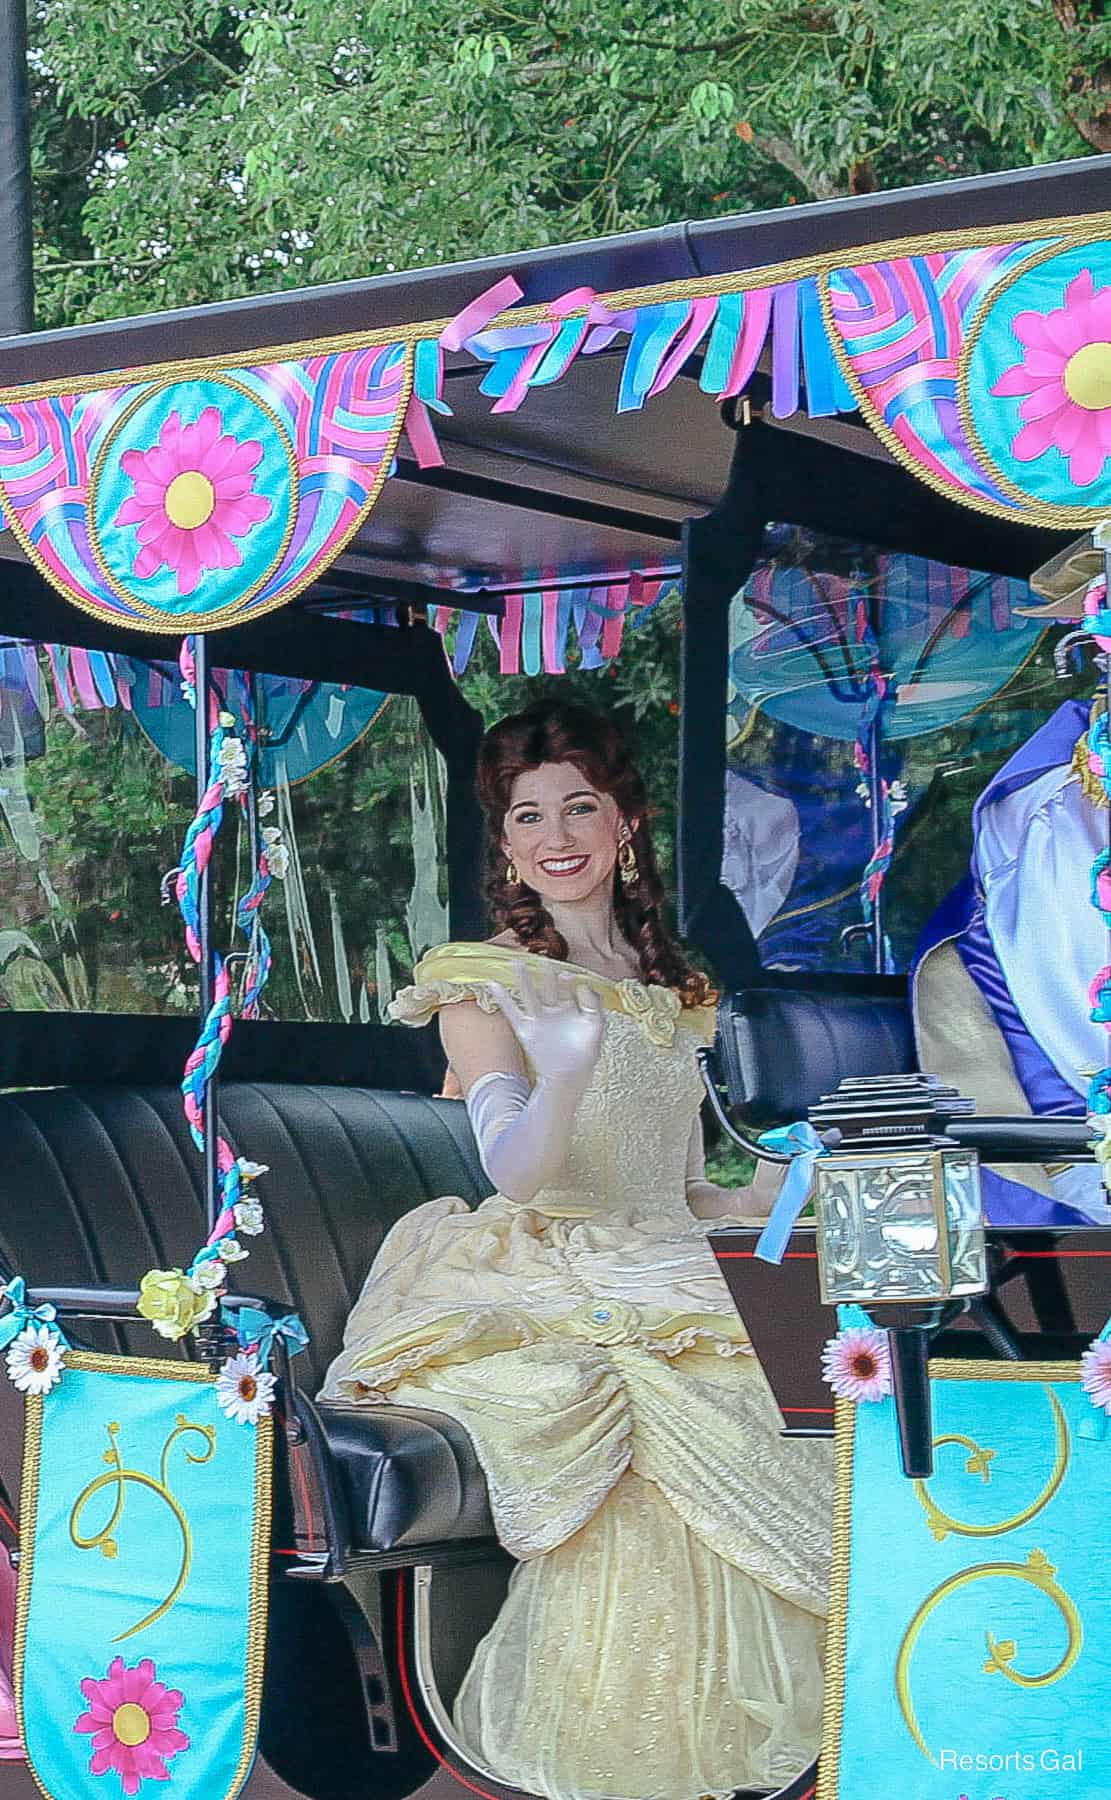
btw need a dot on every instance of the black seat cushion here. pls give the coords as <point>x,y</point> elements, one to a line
<point>408,1476</point>
<point>782,1048</point>
<point>101,1184</point>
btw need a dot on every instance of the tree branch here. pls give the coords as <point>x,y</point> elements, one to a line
<point>781,150</point>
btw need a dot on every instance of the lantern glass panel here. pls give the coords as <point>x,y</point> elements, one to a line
<point>905,1226</point>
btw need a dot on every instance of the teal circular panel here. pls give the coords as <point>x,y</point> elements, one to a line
<point>308,724</point>
<point>193,499</point>
<point>1039,380</point>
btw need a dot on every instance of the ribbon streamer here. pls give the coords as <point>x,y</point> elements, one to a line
<point>803,1145</point>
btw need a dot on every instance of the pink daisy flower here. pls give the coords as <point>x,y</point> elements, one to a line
<point>193,495</point>
<point>857,1364</point>
<point>1065,374</point>
<point>1095,1373</point>
<point>132,1717</point>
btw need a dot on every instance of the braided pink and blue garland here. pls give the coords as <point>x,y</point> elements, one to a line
<point>216,1029</point>
<point>880,692</point>
<point>248,912</point>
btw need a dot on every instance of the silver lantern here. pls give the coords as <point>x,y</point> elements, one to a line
<point>899,1214</point>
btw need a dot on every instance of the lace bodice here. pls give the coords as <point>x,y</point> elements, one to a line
<point>629,1138</point>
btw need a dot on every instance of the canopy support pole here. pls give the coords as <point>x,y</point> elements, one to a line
<point>17,294</point>
<point>875,795</point>
<point>206,969</point>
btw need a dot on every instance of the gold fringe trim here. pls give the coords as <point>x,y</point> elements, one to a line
<point>153,1369</point>
<point>1072,231</point>
<point>1091,786</point>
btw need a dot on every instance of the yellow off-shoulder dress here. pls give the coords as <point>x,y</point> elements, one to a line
<point>661,1638</point>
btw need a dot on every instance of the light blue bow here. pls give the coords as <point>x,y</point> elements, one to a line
<point>22,1315</point>
<point>803,1145</point>
<point>255,1327</point>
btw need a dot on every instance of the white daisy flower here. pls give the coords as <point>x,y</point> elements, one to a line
<point>207,1275</point>
<point>250,1171</point>
<point>243,1390</point>
<point>277,852</point>
<point>229,1250</point>
<point>35,1360</point>
<point>266,803</point>
<point>249,1218</point>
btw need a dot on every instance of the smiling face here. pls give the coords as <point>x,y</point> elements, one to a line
<point>562,833</point>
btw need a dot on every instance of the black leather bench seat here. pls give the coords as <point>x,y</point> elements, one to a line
<point>408,1477</point>
<point>99,1184</point>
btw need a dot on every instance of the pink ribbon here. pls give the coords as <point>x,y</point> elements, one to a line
<point>477,315</point>
<point>421,436</point>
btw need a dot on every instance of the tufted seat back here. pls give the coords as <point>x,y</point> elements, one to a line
<point>99,1184</point>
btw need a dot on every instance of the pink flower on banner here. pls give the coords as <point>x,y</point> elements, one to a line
<point>133,1720</point>
<point>1065,374</point>
<point>857,1364</point>
<point>193,495</point>
<point>1095,1373</point>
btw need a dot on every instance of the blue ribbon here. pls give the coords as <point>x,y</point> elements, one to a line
<point>22,1315</point>
<point>802,1143</point>
<point>255,1327</point>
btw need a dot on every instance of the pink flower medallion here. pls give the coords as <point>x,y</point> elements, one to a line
<point>132,1718</point>
<point>1065,374</point>
<point>193,496</point>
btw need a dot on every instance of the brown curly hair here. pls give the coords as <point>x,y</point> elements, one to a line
<point>556,731</point>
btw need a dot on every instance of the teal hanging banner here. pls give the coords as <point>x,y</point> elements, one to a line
<point>141,1609</point>
<point>975,1662</point>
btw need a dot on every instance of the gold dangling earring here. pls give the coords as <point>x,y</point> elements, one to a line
<point>511,874</point>
<point>627,863</point>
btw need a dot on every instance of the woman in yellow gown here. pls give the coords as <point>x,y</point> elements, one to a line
<point>661,1638</point>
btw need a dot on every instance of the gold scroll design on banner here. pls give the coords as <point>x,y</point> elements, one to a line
<point>1037,1571</point>
<point>979,1463</point>
<point>118,1477</point>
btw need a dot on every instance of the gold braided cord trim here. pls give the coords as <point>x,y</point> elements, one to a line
<point>150,1368</point>
<point>833,1705</point>
<point>28,1514</point>
<point>178,623</point>
<point>1072,231</point>
<point>259,1609</point>
<point>947,1368</point>
<point>1028,511</point>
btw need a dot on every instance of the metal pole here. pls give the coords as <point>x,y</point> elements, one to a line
<point>17,296</point>
<point>875,790</point>
<point>204,908</point>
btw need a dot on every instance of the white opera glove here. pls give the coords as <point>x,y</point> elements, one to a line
<point>558,1022</point>
<point>522,1132</point>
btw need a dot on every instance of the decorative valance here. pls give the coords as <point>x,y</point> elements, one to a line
<point>188,496</point>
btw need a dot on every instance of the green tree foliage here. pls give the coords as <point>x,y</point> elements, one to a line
<point>201,151</point>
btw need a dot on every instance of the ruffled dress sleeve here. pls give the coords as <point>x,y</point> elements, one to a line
<point>451,975</point>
